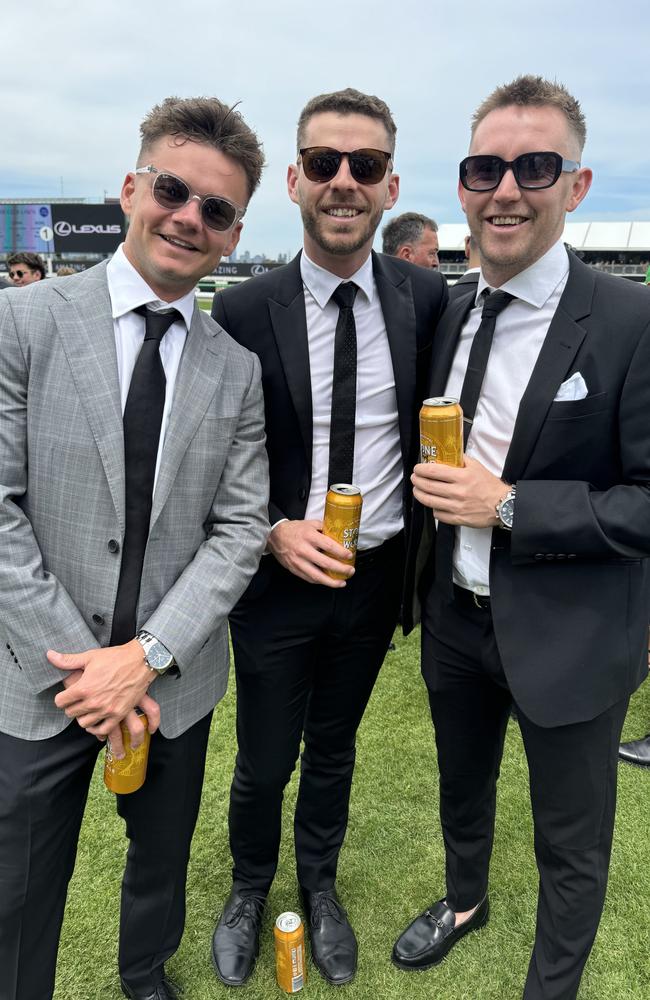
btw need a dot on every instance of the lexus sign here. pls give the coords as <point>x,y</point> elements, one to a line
<point>87,228</point>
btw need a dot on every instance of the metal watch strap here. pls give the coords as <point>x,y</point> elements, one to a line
<point>510,495</point>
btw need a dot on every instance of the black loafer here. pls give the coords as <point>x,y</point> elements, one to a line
<point>165,990</point>
<point>236,939</point>
<point>427,940</point>
<point>333,944</point>
<point>637,752</point>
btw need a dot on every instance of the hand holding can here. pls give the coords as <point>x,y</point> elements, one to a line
<point>342,519</point>
<point>441,431</point>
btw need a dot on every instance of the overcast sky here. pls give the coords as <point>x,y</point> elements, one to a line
<point>78,77</point>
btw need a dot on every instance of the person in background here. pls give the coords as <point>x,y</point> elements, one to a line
<point>412,237</point>
<point>25,268</point>
<point>469,279</point>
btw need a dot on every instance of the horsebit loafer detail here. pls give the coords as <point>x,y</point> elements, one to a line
<point>427,940</point>
<point>236,939</point>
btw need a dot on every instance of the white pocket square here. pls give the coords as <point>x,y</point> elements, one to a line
<point>574,388</point>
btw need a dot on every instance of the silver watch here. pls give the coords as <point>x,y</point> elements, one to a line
<point>506,509</point>
<point>156,656</point>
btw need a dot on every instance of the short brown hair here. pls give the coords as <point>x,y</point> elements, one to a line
<point>210,121</point>
<point>31,260</point>
<point>535,91</point>
<point>348,102</point>
<point>408,227</point>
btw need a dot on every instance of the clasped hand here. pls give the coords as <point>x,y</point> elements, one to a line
<point>103,688</point>
<point>466,495</point>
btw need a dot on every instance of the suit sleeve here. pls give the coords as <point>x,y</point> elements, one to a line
<point>576,520</point>
<point>237,529</point>
<point>36,611</point>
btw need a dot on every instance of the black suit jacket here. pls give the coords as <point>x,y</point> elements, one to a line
<point>267,315</point>
<point>466,283</point>
<point>570,586</point>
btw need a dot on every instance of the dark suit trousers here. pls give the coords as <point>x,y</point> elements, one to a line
<point>306,659</point>
<point>43,790</point>
<point>572,772</point>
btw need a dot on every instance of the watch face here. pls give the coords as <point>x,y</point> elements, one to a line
<point>158,657</point>
<point>507,512</point>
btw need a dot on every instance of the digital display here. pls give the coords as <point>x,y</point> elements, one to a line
<point>26,227</point>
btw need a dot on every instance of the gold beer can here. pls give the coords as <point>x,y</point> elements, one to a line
<point>341,521</point>
<point>127,775</point>
<point>441,431</point>
<point>289,938</point>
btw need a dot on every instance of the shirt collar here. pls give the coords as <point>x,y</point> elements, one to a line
<point>128,290</point>
<point>536,283</point>
<point>322,283</point>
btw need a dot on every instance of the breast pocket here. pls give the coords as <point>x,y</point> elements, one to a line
<point>573,408</point>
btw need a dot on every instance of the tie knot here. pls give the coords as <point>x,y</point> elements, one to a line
<point>495,302</point>
<point>157,323</point>
<point>345,294</point>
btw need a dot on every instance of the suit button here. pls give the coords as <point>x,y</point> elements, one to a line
<point>113,545</point>
<point>98,620</point>
<point>302,494</point>
<point>549,556</point>
<point>539,555</point>
<point>571,555</point>
<point>8,646</point>
<point>561,555</point>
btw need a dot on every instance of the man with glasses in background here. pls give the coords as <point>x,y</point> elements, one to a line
<point>25,268</point>
<point>343,336</point>
<point>133,514</point>
<point>536,591</point>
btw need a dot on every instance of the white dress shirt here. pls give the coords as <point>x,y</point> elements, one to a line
<point>128,290</point>
<point>518,337</point>
<point>378,470</point>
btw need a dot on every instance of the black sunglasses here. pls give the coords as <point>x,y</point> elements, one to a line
<point>533,171</point>
<point>367,166</point>
<point>172,193</point>
<point>17,274</point>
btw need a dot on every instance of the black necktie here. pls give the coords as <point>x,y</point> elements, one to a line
<point>142,421</point>
<point>479,353</point>
<point>493,304</point>
<point>344,387</point>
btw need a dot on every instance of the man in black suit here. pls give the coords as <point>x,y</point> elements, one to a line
<point>308,648</point>
<point>539,588</point>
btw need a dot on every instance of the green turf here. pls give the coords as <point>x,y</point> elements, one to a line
<point>391,867</point>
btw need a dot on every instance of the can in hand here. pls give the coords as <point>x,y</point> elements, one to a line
<point>127,775</point>
<point>289,938</point>
<point>441,431</point>
<point>342,519</point>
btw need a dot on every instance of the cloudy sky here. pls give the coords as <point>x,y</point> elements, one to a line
<point>76,79</point>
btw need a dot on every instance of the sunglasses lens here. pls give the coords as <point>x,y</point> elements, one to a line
<point>538,170</point>
<point>17,274</point>
<point>321,164</point>
<point>368,166</point>
<point>218,214</point>
<point>480,173</point>
<point>169,191</point>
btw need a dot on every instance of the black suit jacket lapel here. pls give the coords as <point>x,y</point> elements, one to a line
<point>289,322</point>
<point>445,341</point>
<point>562,342</point>
<point>396,297</point>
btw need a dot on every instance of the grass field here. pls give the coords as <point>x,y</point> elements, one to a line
<point>391,868</point>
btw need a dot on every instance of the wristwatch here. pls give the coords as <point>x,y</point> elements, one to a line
<point>156,656</point>
<point>506,509</point>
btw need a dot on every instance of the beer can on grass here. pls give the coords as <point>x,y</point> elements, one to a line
<point>289,937</point>
<point>127,775</point>
<point>441,431</point>
<point>341,521</point>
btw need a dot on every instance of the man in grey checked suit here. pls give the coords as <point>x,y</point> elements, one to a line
<point>69,353</point>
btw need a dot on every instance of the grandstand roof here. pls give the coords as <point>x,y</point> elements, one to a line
<point>606,236</point>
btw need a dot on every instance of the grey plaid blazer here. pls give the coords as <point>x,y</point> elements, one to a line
<point>62,501</point>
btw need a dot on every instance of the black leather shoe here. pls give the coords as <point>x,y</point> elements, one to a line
<point>637,752</point>
<point>333,944</point>
<point>166,990</point>
<point>236,939</point>
<point>427,940</point>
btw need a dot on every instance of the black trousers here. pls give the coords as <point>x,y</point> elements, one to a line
<point>43,790</point>
<point>572,771</point>
<point>306,660</point>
